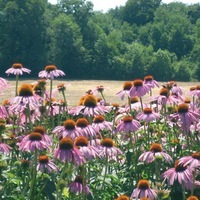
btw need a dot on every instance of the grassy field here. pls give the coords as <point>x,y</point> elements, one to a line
<point>76,88</point>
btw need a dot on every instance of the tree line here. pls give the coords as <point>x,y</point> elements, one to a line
<point>127,42</point>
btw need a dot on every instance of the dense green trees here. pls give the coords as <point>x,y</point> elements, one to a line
<point>131,41</point>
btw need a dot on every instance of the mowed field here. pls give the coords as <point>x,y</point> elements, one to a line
<point>76,88</point>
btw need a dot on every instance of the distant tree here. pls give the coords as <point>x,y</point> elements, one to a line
<point>140,12</point>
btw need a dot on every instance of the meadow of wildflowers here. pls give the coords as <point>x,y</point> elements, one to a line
<point>97,149</point>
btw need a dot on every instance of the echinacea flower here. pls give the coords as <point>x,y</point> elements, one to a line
<point>182,174</point>
<point>33,141</point>
<point>68,129</point>
<point>4,148</point>
<point>122,197</point>
<point>139,88</point>
<point>3,84</point>
<point>107,149</point>
<point>155,151</point>
<point>127,124</point>
<point>147,115</point>
<point>89,107</point>
<point>42,131</point>
<point>50,72</point>
<point>143,190</point>
<point>193,161</point>
<point>99,123</point>
<point>85,129</point>
<point>17,69</point>
<point>25,96</point>
<point>192,198</point>
<point>150,81</point>
<point>186,116</point>
<point>89,152</point>
<point>45,164</point>
<point>126,87</point>
<point>79,186</point>
<point>67,152</point>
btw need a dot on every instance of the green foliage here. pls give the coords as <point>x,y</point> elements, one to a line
<point>88,44</point>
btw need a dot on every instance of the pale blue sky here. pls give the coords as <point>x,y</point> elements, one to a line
<point>104,5</point>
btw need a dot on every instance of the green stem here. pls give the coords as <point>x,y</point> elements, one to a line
<point>33,176</point>
<point>17,81</point>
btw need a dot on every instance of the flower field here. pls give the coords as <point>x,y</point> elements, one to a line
<point>101,140</point>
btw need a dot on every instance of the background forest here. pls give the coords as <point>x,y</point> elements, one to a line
<point>143,37</point>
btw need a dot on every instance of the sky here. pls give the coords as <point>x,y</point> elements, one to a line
<point>105,5</point>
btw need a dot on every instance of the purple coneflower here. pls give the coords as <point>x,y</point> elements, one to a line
<point>108,150</point>
<point>89,152</point>
<point>143,190</point>
<point>128,124</point>
<point>50,72</point>
<point>99,123</point>
<point>42,131</point>
<point>126,87</point>
<point>85,129</point>
<point>4,148</point>
<point>155,151</point>
<point>179,173</point>
<point>68,129</point>
<point>25,96</point>
<point>3,112</point>
<point>79,186</point>
<point>139,88</point>
<point>148,115</point>
<point>195,91</point>
<point>192,198</point>
<point>3,84</point>
<point>89,107</point>
<point>122,197</point>
<point>193,161</point>
<point>66,152</point>
<point>44,164</point>
<point>17,69</point>
<point>150,81</point>
<point>33,141</point>
<point>186,116</point>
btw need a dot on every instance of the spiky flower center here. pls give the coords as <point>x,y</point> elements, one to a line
<point>138,82</point>
<point>127,119</point>
<point>155,147</point>
<point>134,99</point>
<point>192,198</point>
<point>69,124</point>
<point>100,88</point>
<point>187,100</point>
<point>164,92</point>
<point>17,66</point>
<point>107,142</point>
<point>40,129</point>
<point>99,119</point>
<point>123,197</point>
<point>127,85</point>
<point>61,87</point>
<point>79,179</point>
<point>82,122</point>
<point>43,159</point>
<point>50,68</point>
<point>116,105</point>
<point>144,198</point>
<point>147,111</point>
<point>90,101</point>
<point>25,163</point>
<point>179,167</point>
<point>148,78</point>
<point>183,108</point>
<point>143,184</point>
<point>193,88</point>
<point>35,136</point>
<point>5,102</point>
<point>198,87</point>
<point>66,143</point>
<point>25,90</point>
<point>81,141</point>
<point>196,155</point>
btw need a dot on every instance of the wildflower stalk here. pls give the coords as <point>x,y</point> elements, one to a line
<point>141,103</point>
<point>17,81</point>
<point>105,173</point>
<point>64,97</point>
<point>33,176</point>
